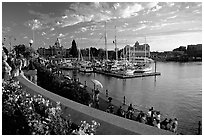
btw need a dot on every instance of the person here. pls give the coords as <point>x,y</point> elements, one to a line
<point>6,69</point>
<point>143,118</point>
<point>158,116</point>
<point>150,116</point>
<point>150,112</point>
<point>169,125</point>
<point>120,112</point>
<point>109,100</point>
<point>158,123</point>
<point>111,109</point>
<point>12,63</point>
<point>164,124</point>
<point>139,116</point>
<point>5,50</point>
<point>32,72</point>
<point>175,125</point>
<point>130,111</point>
<point>96,98</point>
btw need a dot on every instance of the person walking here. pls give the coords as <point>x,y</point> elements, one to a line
<point>6,69</point>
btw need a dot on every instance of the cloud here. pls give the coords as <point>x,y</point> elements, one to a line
<point>116,6</point>
<point>45,20</point>
<point>52,29</point>
<point>172,17</point>
<point>26,37</point>
<point>62,35</point>
<point>170,4</point>
<point>35,24</point>
<point>131,10</point>
<point>83,29</point>
<point>6,29</point>
<point>156,8</point>
<point>140,28</point>
<point>151,5</point>
<point>43,33</point>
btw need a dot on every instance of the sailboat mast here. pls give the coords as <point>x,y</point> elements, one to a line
<point>145,49</point>
<point>89,54</point>
<point>79,54</point>
<point>116,52</point>
<point>129,53</point>
<point>106,42</point>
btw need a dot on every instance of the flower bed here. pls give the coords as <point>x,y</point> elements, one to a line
<point>26,114</point>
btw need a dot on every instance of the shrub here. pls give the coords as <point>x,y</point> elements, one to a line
<point>53,83</point>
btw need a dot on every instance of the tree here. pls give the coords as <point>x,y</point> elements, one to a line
<point>74,51</point>
<point>26,51</point>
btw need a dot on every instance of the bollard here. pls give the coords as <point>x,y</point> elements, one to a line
<point>106,93</point>
<point>199,128</point>
<point>124,100</point>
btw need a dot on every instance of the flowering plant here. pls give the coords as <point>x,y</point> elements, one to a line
<point>34,114</point>
<point>86,128</point>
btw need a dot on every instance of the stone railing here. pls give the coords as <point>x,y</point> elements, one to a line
<point>109,124</point>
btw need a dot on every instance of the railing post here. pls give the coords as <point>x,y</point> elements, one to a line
<point>199,128</point>
<point>124,100</point>
<point>106,93</point>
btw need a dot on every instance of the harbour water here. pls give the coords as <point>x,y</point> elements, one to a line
<point>177,92</point>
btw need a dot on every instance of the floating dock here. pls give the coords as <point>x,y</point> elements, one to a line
<point>123,76</point>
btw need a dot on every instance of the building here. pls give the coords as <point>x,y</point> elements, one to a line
<point>136,51</point>
<point>56,50</point>
<point>194,50</point>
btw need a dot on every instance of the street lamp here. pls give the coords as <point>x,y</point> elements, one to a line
<point>30,42</point>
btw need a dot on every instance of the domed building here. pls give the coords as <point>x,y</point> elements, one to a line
<point>57,50</point>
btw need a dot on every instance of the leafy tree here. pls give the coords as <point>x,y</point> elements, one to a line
<point>26,51</point>
<point>74,51</point>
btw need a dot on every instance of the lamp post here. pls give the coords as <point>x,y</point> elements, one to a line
<point>30,42</point>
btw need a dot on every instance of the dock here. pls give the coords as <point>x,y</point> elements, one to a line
<point>123,76</point>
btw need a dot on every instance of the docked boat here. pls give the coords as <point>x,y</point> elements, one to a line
<point>67,66</point>
<point>129,71</point>
<point>86,69</point>
<point>85,66</point>
<point>142,68</point>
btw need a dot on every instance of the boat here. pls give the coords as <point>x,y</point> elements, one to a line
<point>86,69</point>
<point>85,66</point>
<point>67,65</point>
<point>129,71</point>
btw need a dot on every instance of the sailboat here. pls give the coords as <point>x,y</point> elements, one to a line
<point>84,66</point>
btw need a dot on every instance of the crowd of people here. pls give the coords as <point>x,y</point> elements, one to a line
<point>12,65</point>
<point>152,117</point>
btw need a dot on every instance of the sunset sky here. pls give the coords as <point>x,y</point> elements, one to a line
<point>166,25</point>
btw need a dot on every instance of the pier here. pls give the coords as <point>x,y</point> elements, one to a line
<point>123,76</point>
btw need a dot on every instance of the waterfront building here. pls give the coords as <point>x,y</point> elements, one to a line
<point>56,50</point>
<point>194,50</point>
<point>136,51</point>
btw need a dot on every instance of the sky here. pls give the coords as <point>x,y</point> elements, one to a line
<point>164,25</point>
